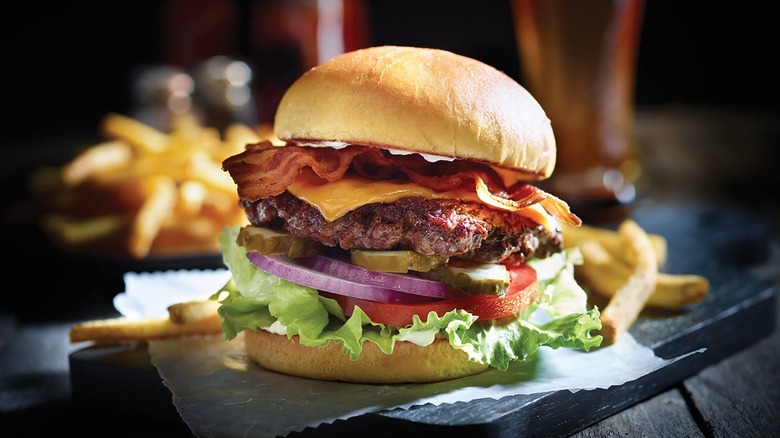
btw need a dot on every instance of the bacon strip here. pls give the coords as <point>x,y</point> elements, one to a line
<point>441,176</point>
<point>264,170</point>
<point>560,210</point>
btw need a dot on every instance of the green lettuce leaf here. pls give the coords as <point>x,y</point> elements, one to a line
<point>558,318</point>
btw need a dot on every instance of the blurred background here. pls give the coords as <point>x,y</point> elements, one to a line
<point>68,64</point>
<point>65,65</point>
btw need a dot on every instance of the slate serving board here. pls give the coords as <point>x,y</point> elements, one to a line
<point>723,244</point>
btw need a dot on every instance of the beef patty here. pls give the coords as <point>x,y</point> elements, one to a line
<point>431,227</point>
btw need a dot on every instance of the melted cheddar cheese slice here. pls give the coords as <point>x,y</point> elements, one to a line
<point>335,199</point>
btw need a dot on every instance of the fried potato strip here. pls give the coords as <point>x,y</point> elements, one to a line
<point>629,300</point>
<point>611,241</point>
<point>118,330</point>
<point>605,274</point>
<point>189,318</point>
<point>190,312</point>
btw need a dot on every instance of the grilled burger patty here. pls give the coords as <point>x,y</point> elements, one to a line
<point>431,227</point>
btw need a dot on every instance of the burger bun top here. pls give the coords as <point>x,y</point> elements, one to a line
<point>422,100</point>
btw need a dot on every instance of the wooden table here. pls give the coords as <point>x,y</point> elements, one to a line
<point>704,153</point>
<point>687,153</point>
<point>737,397</point>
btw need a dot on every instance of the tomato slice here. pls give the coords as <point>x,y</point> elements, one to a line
<point>520,294</point>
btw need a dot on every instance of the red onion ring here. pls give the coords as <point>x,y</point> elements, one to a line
<point>331,275</point>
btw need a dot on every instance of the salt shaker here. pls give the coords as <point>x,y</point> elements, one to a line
<point>223,90</point>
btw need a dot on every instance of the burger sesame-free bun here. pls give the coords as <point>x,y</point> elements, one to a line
<point>408,363</point>
<point>420,100</point>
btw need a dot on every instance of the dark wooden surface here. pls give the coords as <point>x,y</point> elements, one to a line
<point>723,156</point>
<point>689,154</point>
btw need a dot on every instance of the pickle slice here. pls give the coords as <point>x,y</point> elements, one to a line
<point>473,278</point>
<point>267,241</point>
<point>395,261</point>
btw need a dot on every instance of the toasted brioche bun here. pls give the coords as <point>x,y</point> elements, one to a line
<point>408,363</point>
<point>420,100</point>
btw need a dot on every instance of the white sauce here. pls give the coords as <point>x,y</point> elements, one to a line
<point>277,328</point>
<point>341,145</point>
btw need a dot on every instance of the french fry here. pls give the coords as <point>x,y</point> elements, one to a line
<point>609,239</point>
<point>189,134</point>
<point>605,274</point>
<point>186,126</point>
<point>77,232</point>
<point>150,218</point>
<point>192,196</point>
<point>143,137</point>
<point>209,172</point>
<point>193,234</point>
<point>221,206</point>
<point>118,330</point>
<point>95,160</point>
<point>190,318</point>
<point>628,301</point>
<point>192,311</point>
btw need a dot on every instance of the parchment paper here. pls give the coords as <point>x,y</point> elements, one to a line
<point>219,392</point>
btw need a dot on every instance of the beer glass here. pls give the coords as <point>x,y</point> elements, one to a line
<point>578,58</point>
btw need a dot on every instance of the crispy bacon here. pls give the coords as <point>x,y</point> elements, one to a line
<point>440,176</point>
<point>265,170</point>
<point>527,194</point>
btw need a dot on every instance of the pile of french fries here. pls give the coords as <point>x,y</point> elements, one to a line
<point>624,267</point>
<point>143,191</point>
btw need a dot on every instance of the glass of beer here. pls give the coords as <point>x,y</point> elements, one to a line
<point>578,58</point>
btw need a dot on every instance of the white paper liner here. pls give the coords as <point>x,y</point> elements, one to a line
<point>219,392</point>
<point>148,294</point>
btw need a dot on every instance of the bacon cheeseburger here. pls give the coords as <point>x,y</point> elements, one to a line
<point>395,236</point>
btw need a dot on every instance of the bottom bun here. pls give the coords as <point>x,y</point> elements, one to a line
<point>408,363</point>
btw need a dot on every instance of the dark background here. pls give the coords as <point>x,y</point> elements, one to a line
<point>68,63</point>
